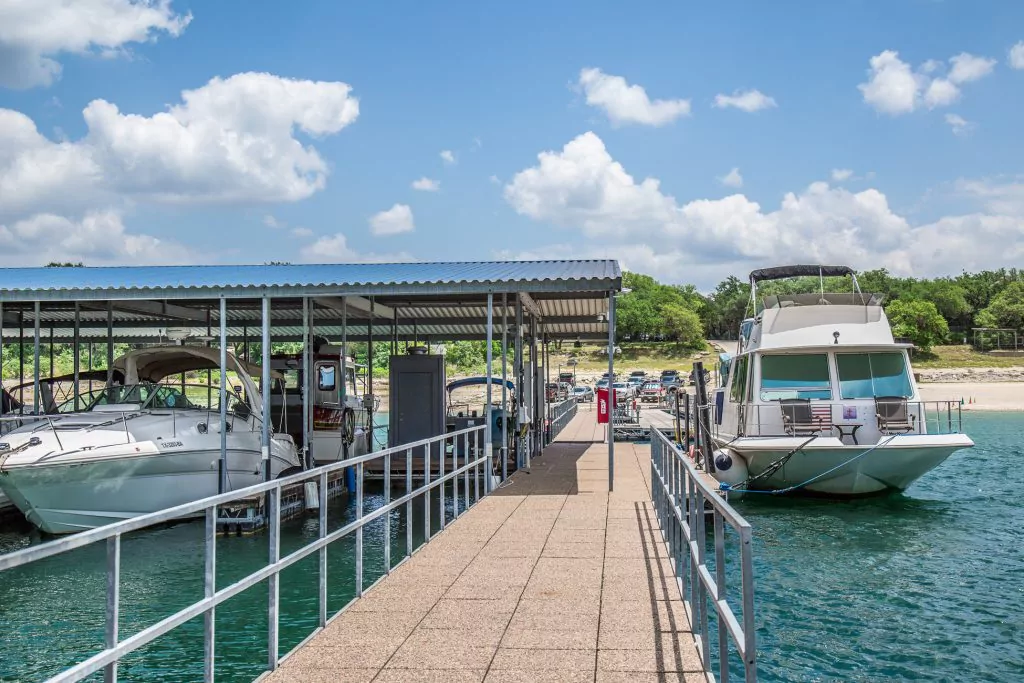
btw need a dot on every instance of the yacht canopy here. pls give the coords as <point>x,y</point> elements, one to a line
<point>782,272</point>
<point>154,363</point>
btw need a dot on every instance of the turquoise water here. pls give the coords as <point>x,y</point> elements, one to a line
<point>924,586</point>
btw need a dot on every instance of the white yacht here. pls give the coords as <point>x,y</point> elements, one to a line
<point>148,444</point>
<point>820,398</point>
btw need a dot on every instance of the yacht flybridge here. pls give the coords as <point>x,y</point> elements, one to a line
<point>146,444</point>
<point>819,398</point>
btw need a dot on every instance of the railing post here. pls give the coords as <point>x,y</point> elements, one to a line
<point>359,530</point>
<point>723,632</point>
<point>471,453</point>
<point>440,476</point>
<point>702,561</point>
<point>749,628</point>
<point>387,517</point>
<point>113,599</point>
<point>426,490</point>
<point>408,503</point>
<point>322,573</point>
<point>274,499</point>
<point>209,588</point>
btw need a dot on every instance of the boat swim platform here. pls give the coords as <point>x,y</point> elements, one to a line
<point>550,578</point>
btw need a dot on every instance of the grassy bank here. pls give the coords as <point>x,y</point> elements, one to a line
<point>961,356</point>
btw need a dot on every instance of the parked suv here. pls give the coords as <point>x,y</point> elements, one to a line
<point>651,392</point>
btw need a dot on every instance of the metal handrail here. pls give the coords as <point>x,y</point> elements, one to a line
<point>681,497</point>
<point>561,414</point>
<point>116,649</point>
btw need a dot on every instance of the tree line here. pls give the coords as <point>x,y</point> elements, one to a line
<point>925,311</point>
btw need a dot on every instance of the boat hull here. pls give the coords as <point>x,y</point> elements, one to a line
<point>63,498</point>
<point>827,467</point>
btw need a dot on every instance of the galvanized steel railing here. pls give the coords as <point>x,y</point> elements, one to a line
<point>681,499</point>
<point>115,648</point>
<point>561,414</point>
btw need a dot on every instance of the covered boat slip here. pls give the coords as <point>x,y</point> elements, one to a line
<point>522,305</point>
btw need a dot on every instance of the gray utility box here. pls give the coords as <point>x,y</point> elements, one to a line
<point>417,405</point>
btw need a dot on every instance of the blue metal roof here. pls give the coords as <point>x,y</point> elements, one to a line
<point>437,278</point>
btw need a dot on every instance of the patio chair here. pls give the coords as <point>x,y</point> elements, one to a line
<point>893,415</point>
<point>799,419</point>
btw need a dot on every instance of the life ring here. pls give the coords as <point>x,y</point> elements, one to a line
<point>348,426</point>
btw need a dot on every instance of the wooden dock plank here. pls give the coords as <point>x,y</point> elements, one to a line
<point>552,577</point>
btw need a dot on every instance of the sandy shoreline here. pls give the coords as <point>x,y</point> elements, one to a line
<point>1006,396</point>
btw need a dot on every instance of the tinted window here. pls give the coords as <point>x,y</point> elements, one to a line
<point>795,376</point>
<point>739,382</point>
<point>866,375</point>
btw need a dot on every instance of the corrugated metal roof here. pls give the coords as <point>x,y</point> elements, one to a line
<point>409,276</point>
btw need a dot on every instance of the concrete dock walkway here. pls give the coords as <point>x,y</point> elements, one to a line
<point>550,578</point>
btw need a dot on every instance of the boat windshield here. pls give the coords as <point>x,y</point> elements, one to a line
<point>792,376</point>
<point>867,375</point>
<point>151,396</point>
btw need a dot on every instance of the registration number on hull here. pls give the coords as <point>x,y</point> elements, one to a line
<point>171,444</point>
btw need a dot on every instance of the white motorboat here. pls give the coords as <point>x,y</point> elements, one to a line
<point>821,399</point>
<point>145,445</point>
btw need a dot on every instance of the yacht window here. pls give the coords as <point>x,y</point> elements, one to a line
<point>866,375</point>
<point>795,376</point>
<point>325,378</point>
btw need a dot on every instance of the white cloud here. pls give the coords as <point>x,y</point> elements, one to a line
<point>447,156</point>
<point>841,175</point>
<point>625,104</point>
<point>33,33</point>
<point>232,140</point>
<point>394,221</point>
<point>941,93</point>
<point>894,88</point>
<point>748,101</point>
<point>967,67</point>
<point>995,196</point>
<point>335,248</point>
<point>301,233</point>
<point>271,221</point>
<point>959,124</point>
<point>99,238</point>
<point>495,180</point>
<point>1016,56</point>
<point>732,178</point>
<point>582,188</point>
<point>426,185</point>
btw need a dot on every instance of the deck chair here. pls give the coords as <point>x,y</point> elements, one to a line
<point>893,416</point>
<point>798,419</point>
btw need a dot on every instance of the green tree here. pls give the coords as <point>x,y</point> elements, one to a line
<point>917,320</point>
<point>1006,308</point>
<point>683,325</point>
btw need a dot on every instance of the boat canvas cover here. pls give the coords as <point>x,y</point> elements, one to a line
<point>781,272</point>
<point>477,381</point>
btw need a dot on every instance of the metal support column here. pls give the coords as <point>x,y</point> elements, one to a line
<point>35,361</point>
<point>522,457</point>
<point>265,390</point>
<point>110,343</point>
<point>611,390</point>
<point>307,385</point>
<point>222,485</point>
<point>488,439</point>
<point>547,380</point>
<point>504,386</point>
<point>77,361</point>
<point>369,372</point>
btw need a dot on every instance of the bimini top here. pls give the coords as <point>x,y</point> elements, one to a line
<point>781,272</point>
<point>477,381</point>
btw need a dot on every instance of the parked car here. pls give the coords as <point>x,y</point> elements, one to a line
<point>583,394</point>
<point>551,391</point>
<point>602,383</point>
<point>623,391</point>
<point>564,390</point>
<point>670,379</point>
<point>651,392</point>
<point>567,377</point>
<point>693,376</point>
<point>637,373</point>
<point>635,382</point>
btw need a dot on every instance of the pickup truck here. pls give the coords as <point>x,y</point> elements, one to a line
<point>651,392</point>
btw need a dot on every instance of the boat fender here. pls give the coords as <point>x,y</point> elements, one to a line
<point>691,452</point>
<point>729,468</point>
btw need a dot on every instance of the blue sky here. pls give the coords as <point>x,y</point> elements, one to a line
<point>932,145</point>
